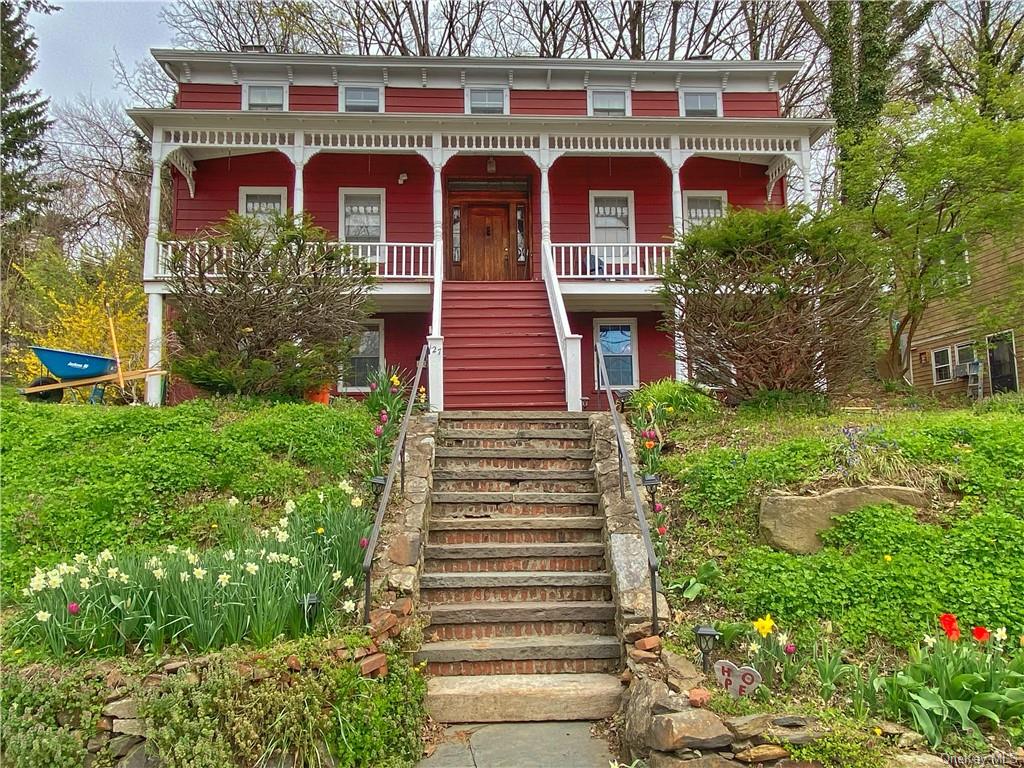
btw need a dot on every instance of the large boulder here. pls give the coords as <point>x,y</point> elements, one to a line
<point>792,523</point>
<point>636,716</point>
<point>690,729</point>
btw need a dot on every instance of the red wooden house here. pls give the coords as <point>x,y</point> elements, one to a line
<point>515,209</point>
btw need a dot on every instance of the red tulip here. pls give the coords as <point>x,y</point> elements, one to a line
<point>949,625</point>
<point>662,530</point>
<point>981,634</point>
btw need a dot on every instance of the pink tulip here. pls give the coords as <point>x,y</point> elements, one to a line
<point>73,609</point>
<point>378,430</point>
<point>383,417</point>
<point>790,649</point>
<point>373,386</point>
<point>394,390</point>
<point>364,543</point>
<point>659,507</point>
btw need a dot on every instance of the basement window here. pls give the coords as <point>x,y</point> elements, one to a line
<point>617,338</point>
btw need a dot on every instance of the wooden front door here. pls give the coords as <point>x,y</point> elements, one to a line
<point>487,237</point>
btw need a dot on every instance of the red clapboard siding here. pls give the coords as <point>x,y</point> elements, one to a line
<point>408,212</point>
<point>508,167</point>
<point>745,183</point>
<point>655,104</point>
<point>655,347</point>
<point>424,100</point>
<point>572,178</point>
<point>217,183</point>
<point>548,102</point>
<point>750,104</point>
<point>312,98</point>
<point>206,96</point>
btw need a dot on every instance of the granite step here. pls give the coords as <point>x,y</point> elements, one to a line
<point>514,530</point>
<point>480,558</point>
<point>525,655</point>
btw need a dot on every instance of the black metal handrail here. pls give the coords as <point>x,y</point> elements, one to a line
<point>397,460</point>
<point>626,468</point>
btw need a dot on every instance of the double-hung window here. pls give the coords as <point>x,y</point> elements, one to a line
<point>486,101</point>
<point>361,98</point>
<point>942,366</point>
<point>611,217</point>
<point>265,98</point>
<point>609,103</point>
<point>363,221</point>
<point>616,338</point>
<point>700,104</point>
<point>367,358</point>
<point>699,207</point>
<point>264,203</point>
<point>965,353</point>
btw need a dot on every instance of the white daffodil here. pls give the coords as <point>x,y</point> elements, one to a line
<point>192,558</point>
<point>233,502</point>
<point>159,573</point>
<point>199,573</point>
<point>346,486</point>
<point>42,616</point>
<point>289,507</point>
<point>295,562</point>
<point>184,576</point>
<point>356,502</point>
<point>348,606</point>
<point>153,562</point>
<point>124,578</point>
<point>113,573</point>
<point>251,568</point>
<point>783,639</point>
<point>85,582</point>
<point>26,591</point>
<point>171,549</point>
<point>223,580</point>
<point>273,557</point>
<point>93,570</point>
<point>336,576</point>
<point>1000,635</point>
<point>929,641</point>
<point>349,583</point>
<point>81,559</point>
<point>229,555</point>
<point>282,536</point>
<point>754,649</point>
<point>320,496</point>
<point>104,556</point>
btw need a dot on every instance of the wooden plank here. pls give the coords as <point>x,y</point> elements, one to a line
<point>110,377</point>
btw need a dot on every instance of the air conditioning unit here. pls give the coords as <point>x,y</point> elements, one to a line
<point>961,371</point>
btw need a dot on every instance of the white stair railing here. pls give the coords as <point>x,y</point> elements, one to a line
<point>569,343</point>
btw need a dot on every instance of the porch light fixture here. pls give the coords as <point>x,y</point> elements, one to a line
<point>378,482</point>
<point>492,165</point>
<point>706,639</point>
<point>402,178</point>
<point>651,483</point>
<point>310,605</point>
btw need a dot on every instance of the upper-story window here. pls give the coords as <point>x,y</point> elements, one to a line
<point>265,98</point>
<point>609,103</point>
<point>360,98</point>
<point>264,203</point>
<point>701,104</point>
<point>486,101</point>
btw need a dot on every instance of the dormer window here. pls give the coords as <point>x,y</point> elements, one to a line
<point>609,103</point>
<point>361,98</point>
<point>701,104</point>
<point>265,98</point>
<point>486,101</point>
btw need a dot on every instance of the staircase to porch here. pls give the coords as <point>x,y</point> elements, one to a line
<point>500,347</point>
<point>522,622</point>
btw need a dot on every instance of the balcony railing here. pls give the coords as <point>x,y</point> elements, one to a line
<point>600,261</point>
<point>393,261</point>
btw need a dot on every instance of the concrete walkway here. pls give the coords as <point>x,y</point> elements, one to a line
<point>520,745</point>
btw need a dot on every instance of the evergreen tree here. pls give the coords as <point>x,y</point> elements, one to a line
<point>23,119</point>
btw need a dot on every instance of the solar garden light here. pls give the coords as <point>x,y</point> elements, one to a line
<point>310,605</point>
<point>706,639</point>
<point>651,483</point>
<point>378,482</point>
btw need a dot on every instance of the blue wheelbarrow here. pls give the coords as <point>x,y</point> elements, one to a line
<point>68,370</point>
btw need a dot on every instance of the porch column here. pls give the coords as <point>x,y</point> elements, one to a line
<point>435,341</point>
<point>545,207</point>
<point>154,347</point>
<point>149,269</point>
<point>677,199</point>
<point>297,155</point>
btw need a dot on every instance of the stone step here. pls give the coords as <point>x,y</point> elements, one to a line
<point>524,655</point>
<point>522,698</point>
<point>489,558</point>
<point>443,510</point>
<point>535,441</point>
<point>486,613</point>
<point>555,433</point>
<point>521,497</point>
<point>465,485</point>
<point>514,530</point>
<point>500,460</point>
<point>517,586</point>
<point>446,452</point>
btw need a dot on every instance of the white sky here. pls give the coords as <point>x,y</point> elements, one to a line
<point>77,43</point>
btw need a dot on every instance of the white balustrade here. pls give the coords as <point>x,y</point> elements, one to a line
<point>601,261</point>
<point>408,261</point>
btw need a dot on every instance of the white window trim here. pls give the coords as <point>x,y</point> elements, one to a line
<point>481,87</point>
<point>590,99</point>
<point>380,97</point>
<point>956,350</point>
<point>682,99</point>
<point>257,83</point>
<point>631,322</point>
<point>342,191</point>
<point>628,194</point>
<point>379,322</point>
<point>281,191</point>
<point>1013,356</point>
<point>722,194</point>
<point>935,379</point>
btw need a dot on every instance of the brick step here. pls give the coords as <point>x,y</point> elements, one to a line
<point>443,452</point>
<point>521,497</point>
<point>529,486</point>
<point>500,461</point>
<point>528,586</point>
<point>471,631</point>
<point>442,510</point>
<point>522,698</point>
<point>514,420</point>
<point>489,558</point>
<point>540,441</point>
<point>471,657</point>
<point>508,434</point>
<point>514,530</point>
<point>531,475</point>
<point>496,613</point>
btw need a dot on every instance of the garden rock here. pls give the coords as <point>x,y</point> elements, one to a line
<point>761,753</point>
<point>806,734</point>
<point>664,760</point>
<point>122,708</point>
<point>918,760</point>
<point>665,703</point>
<point>132,727</point>
<point>691,729</point>
<point>405,549</point>
<point>137,758</point>
<point>636,717</point>
<point>748,726</point>
<point>682,673</point>
<point>120,745</point>
<point>792,523</point>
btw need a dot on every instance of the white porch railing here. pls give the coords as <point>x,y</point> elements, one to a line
<point>600,261</point>
<point>569,343</point>
<point>401,261</point>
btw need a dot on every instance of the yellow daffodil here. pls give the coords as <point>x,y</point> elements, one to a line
<point>888,558</point>
<point>320,531</point>
<point>764,626</point>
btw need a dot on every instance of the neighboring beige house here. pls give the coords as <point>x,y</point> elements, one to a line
<point>974,344</point>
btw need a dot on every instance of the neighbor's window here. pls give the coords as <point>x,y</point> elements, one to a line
<point>942,368</point>
<point>617,339</point>
<point>703,207</point>
<point>965,353</point>
<point>700,104</point>
<point>367,359</point>
<point>611,218</point>
<point>362,99</point>
<point>608,103</point>
<point>262,202</point>
<point>362,217</point>
<point>266,98</point>
<point>487,101</point>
